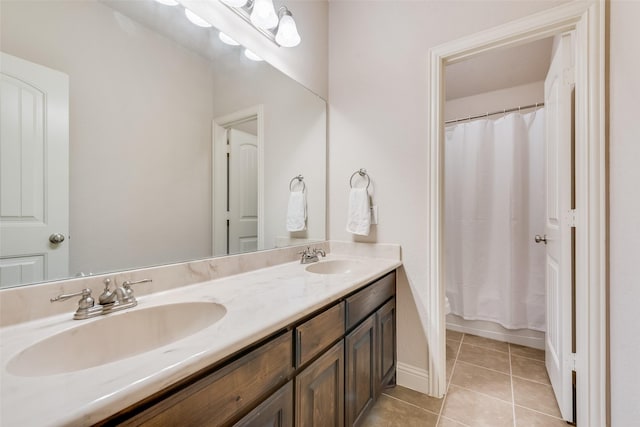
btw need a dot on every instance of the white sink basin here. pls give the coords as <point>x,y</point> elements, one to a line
<point>336,266</point>
<point>113,337</point>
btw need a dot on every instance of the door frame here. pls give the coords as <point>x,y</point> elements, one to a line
<point>587,19</point>
<point>257,112</point>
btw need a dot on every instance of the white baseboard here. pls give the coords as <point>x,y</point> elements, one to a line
<point>411,377</point>
<point>481,328</point>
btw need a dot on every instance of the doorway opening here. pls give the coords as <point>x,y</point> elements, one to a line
<point>507,177</point>
<point>586,19</point>
<point>237,151</point>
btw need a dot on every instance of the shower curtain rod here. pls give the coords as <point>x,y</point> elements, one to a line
<point>510,110</point>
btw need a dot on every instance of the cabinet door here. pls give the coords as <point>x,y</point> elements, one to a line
<point>320,391</point>
<point>361,368</point>
<point>386,329</point>
<point>276,411</point>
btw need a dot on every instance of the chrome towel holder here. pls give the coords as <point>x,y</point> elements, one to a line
<point>363,173</point>
<point>298,178</point>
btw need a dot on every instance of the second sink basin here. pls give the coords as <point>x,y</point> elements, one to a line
<point>114,337</point>
<point>335,266</point>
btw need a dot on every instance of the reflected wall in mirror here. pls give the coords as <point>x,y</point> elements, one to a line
<point>107,140</point>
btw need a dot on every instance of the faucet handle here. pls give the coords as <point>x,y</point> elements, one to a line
<point>127,287</point>
<point>127,283</point>
<point>85,302</point>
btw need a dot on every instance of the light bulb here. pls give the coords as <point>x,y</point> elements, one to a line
<point>227,40</point>
<point>196,20</point>
<point>287,34</point>
<point>252,56</point>
<point>264,15</point>
<point>235,3</point>
<point>168,2</point>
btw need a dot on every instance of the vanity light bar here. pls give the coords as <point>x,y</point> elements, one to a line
<point>244,12</point>
<point>244,9</point>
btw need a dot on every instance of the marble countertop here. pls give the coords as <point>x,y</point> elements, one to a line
<point>258,303</point>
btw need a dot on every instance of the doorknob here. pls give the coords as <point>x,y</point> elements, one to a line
<point>539,239</point>
<point>56,238</point>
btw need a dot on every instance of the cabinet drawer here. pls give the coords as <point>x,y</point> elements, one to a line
<point>316,334</point>
<point>360,305</point>
<point>217,399</point>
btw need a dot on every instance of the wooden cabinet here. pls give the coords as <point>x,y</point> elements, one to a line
<point>361,368</point>
<point>276,411</point>
<point>310,374</point>
<point>320,391</point>
<point>386,345</point>
<point>218,398</point>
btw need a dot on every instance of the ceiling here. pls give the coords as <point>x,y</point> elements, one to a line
<point>499,70</point>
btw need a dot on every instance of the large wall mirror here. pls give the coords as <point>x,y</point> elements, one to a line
<point>131,137</point>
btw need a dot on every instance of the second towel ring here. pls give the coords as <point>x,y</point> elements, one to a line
<point>362,173</point>
<point>299,178</point>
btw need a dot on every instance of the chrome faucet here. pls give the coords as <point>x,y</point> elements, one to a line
<point>109,301</point>
<point>311,255</point>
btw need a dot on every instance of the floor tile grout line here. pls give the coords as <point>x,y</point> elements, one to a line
<point>448,381</point>
<point>529,379</point>
<point>482,394</point>
<point>483,367</point>
<point>539,412</point>
<point>529,358</point>
<point>456,421</point>
<point>513,395</point>
<point>410,404</point>
<point>486,348</point>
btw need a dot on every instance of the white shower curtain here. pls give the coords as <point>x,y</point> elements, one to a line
<point>494,206</point>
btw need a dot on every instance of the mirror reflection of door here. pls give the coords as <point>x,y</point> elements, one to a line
<point>34,183</point>
<point>236,212</point>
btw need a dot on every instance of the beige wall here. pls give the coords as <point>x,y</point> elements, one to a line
<point>624,204</point>
<point>378,53</point>
<point>126,123</point>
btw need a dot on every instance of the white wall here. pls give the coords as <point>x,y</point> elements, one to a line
<point>624,220</point>
<point>378,53</point>
<point>126,123</point>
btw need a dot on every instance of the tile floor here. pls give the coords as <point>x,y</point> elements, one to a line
<point>490,384</point>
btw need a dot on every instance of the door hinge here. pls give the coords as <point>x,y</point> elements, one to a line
<point>572,218</point>
<point>572,361</point>
<point>227,216</point>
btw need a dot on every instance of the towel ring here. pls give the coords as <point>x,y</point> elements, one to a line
<point>362,173</point>
<point>299,178</point>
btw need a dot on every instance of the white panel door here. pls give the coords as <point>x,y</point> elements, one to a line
<point>243,192</point>
<point>34,177</point>
<point>558,87</point>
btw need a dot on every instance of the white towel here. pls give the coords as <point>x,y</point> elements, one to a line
<point>297,211</point>
<point>359,215</point>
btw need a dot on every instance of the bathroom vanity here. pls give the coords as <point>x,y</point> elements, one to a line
<point>330,365</point>
<point>287,344</point>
